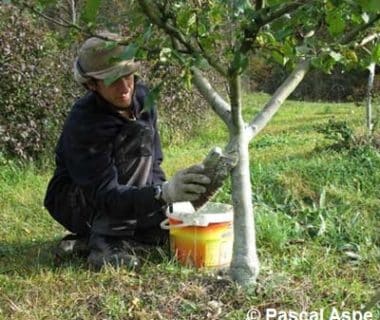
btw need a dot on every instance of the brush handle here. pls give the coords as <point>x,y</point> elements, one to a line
<point>217,167</point>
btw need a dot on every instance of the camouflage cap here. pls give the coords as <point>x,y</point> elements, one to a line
<point>102,59</point>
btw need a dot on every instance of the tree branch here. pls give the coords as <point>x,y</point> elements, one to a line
<point>287,8</point>
<point>278,98</point>
<point>217,103</point>
<point>259,4</point>
<point>172,31</point>
<point>67,24</point>
<point>73,11</point>
<point>368,39</point>
<point>263,17</point>
<point>234,81</point>
<point>61,22</point>
<point>350,36</point>
<point>217,66</point>
<point>290,84</point>
<point>168,28</point>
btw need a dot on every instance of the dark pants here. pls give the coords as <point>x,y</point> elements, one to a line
<point>68,205</point>
<point>76,213</point>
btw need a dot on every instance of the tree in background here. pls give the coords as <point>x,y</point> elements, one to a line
<point>221,36</point>
<point>372,38</point>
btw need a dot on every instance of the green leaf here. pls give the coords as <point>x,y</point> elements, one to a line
<point>240,6</point>
<point>201,62</point>
<point>40,2</point>
<point>335,21</point>
<point>302,50</point>
<point>336,56</point>
<point>370,5</point>
<point>288,49</point>
<point>216,15</point>
<point>186,19</point>
<point>376,53</point>
<point>274,2</point>
<point>165,54</point>
<point>351,56</point>
<point>187,78</point>
<point>323,62</point>
<point>240,62</point>
<point>279,58</point>
<point>202,30</point>
<point>109,80</point>
<point>148,33</point>
<point>152,97</point>
<point>129,52</point>
<point>91,10</point>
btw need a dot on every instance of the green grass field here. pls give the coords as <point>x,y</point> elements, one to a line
<point>318,228</point>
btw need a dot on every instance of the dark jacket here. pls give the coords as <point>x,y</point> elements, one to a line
<point>113,161</point>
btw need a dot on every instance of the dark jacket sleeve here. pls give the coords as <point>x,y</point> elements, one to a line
<point>87,144</point>
<point>158,173</point>
<point>151,116</point>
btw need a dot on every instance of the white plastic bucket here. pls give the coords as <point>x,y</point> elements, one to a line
<point>203,238</point>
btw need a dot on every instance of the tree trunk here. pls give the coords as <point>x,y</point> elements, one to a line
<point>371,77</point>
<point>73,11</point>
<point>245,263</point>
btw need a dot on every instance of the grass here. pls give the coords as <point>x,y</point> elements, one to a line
<point>317,212</point>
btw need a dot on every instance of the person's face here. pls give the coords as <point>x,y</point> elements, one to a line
<point>118,93</point>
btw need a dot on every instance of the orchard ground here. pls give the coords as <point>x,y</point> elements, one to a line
<point>317,212</point>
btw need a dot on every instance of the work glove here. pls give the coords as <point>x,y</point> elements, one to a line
<point>186,185</point>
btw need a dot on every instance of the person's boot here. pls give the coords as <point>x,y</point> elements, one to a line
<point>115,251</point>
<point>69,246</point>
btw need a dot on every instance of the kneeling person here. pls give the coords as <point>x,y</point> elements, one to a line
<point>108,187</point>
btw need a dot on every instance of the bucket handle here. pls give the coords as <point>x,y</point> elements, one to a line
<point>165,225</point>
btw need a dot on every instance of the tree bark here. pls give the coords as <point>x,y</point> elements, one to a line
<point>371,77</point>
<point>73,11</point>
<point>217,103</point>
<point>245,263</point>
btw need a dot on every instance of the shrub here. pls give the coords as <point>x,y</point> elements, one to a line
<point>343,137</point>
<point>339,132</point>
<point>35,87</point>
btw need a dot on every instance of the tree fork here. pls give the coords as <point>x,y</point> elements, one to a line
<point>245,263</point>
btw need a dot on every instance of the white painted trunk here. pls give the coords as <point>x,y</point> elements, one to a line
<point>371,77</point>
<point>245,263</point>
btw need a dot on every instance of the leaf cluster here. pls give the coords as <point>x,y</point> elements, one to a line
<point>226,33</point>
<point>34,86</point>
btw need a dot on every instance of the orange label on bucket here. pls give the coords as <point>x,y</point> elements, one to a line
<point>209,247</point>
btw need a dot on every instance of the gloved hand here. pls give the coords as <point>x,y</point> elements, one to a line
<point>186,185</point>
